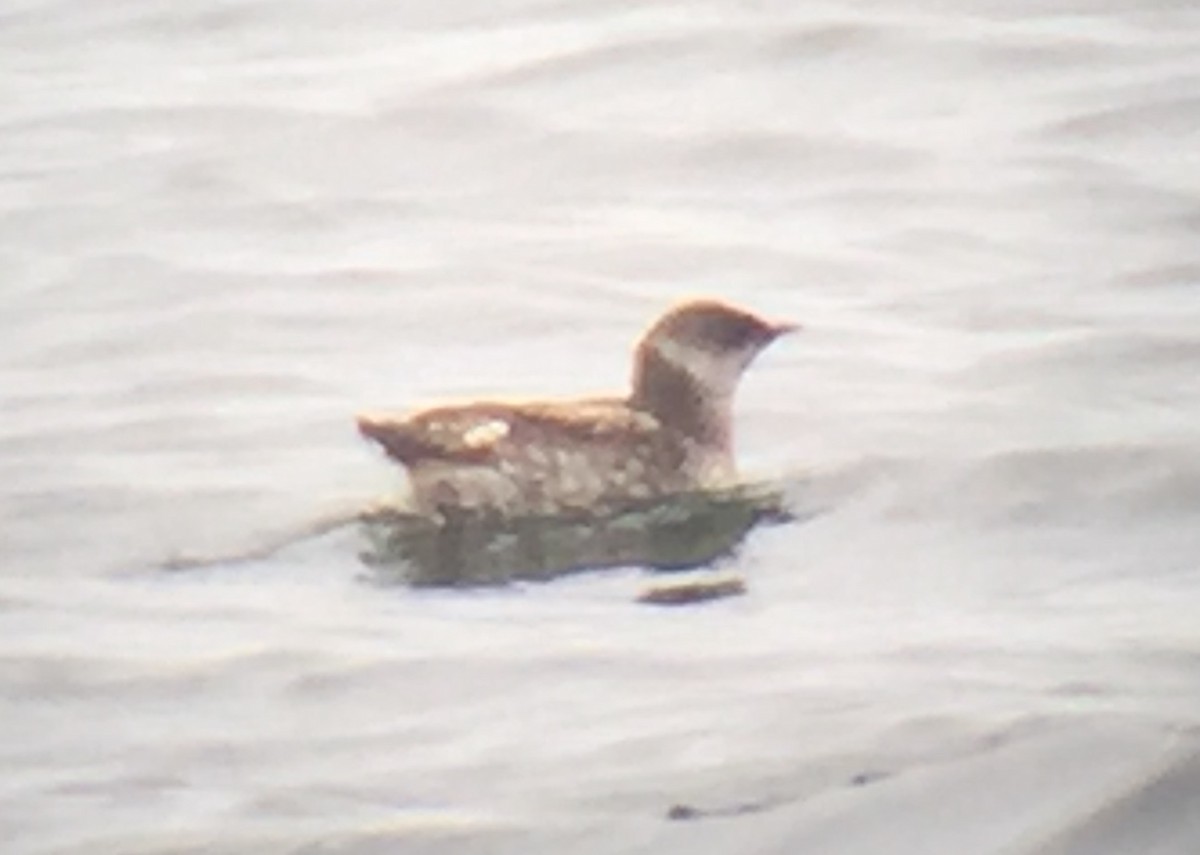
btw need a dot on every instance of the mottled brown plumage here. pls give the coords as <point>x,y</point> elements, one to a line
<point>672,433</point>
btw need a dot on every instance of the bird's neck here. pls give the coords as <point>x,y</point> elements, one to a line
<point>685,395</point>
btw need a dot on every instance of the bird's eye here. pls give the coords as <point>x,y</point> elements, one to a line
<point>738,335</point>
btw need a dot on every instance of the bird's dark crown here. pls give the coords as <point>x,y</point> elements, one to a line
<point>715,326</point>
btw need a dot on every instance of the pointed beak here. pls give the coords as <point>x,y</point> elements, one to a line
<point>785,328</point>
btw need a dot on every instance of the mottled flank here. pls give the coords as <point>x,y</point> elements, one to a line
<point>671,434</point>
<point>534,458</point>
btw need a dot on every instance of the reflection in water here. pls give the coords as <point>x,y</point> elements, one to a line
<point>469,548</point>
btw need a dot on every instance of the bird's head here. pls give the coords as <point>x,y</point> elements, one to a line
<point>688,364</point>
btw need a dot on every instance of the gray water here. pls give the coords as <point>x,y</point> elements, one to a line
<point>226,226</point>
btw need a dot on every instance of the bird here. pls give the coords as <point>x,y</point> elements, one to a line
<point>671,433</point>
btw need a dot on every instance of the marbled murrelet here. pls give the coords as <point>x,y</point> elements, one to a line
<point>672,433</point>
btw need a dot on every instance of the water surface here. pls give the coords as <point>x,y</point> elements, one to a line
<point>227,226</point>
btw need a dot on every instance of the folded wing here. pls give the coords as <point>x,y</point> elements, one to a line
<point>483,433</point>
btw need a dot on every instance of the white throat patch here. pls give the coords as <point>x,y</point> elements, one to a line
<point>717,373</point>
